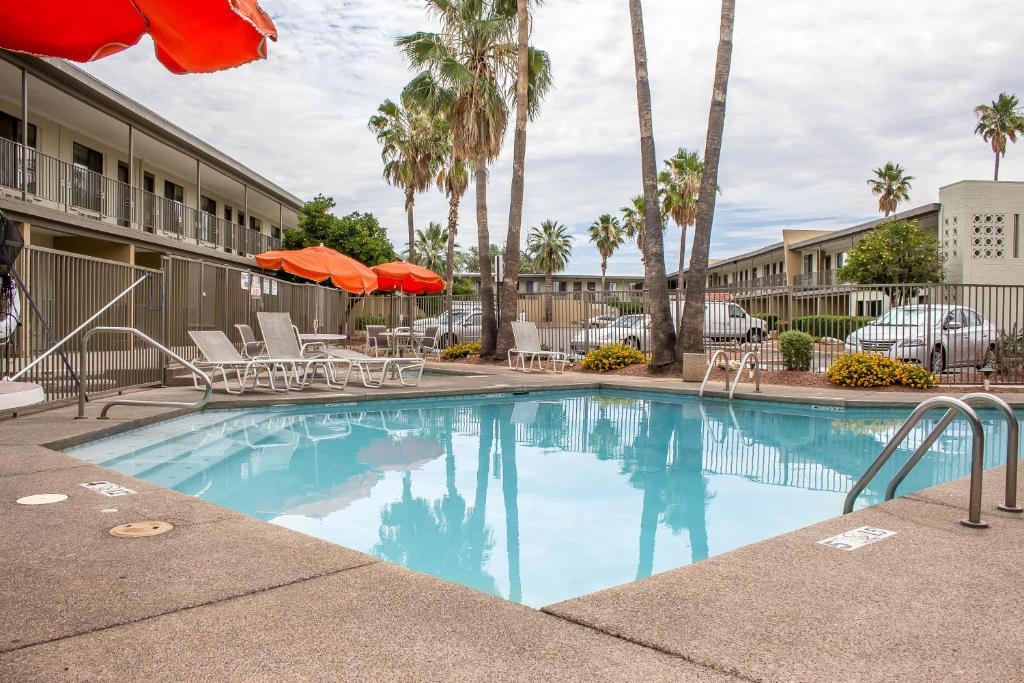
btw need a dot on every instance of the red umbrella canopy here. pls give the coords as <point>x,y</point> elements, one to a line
<point>408,278</point>
<point>191,36</point>
<point>319,264</point>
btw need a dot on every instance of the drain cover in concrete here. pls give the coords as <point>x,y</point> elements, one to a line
<point>140,529</point>
<point>42,499</point>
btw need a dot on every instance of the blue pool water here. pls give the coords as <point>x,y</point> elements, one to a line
<point>535,498</point>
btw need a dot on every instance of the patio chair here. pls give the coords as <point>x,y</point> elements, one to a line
<point>374,370</point>
<point>283,349</point>
<point>429,342</point>
<point>251,347</point>
<point>220,354</point>
<point>375,341</point>
<point>528,346</point>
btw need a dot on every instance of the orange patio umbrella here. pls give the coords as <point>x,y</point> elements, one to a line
<point>191,36</point>
<point>408,277</point>
<point>319,264</point>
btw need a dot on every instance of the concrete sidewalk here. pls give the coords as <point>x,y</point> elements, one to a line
<point>226,597</point>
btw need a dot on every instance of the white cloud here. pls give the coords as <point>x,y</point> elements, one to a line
<point>821,92</point>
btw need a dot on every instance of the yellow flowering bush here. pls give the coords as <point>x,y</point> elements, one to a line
<point>612,357</point>
<point>876,370</point>
<point>456,351</point>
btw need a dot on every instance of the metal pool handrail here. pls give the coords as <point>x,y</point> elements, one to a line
<point>135,402</point>
<point>711,366</point>
<point>977,455</point>
<point>739,370</point>
<point>1012,439</point>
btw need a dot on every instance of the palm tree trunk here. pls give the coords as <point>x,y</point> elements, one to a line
<point>410,199</point>
<point>510,496</point>
<point>663,333</point>
<point>510,300</point>
<point>604,268</point>
<point>692,340</point>
<point>453,226</point>
<point>996,175</point>
<point>488,331</point>
<point>679,280</point>
<point>549,287</point>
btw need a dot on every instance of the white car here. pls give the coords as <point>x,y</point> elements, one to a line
<point>599,321</point>
<point>722,320</point>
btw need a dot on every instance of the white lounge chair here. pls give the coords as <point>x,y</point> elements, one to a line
<point>374,370</point>
<point>528,346</point>
<point>251,347</point>
<point>220,354</point>
<point>282,346</point>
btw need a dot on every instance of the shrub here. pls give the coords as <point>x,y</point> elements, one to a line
<point>364,320</point>
<point>837,326</point>
<point>770,319</point>
<point>627,307</point>
<point>876,370</point>
<point>612,357</point>
<point>466,350</point>
<point>797,350</point>
<point>1010,351</point>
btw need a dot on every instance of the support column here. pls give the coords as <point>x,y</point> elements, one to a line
<point>245,220</point>
<point>199,201</point>
<point>131,176</point>
<point>24,134</point>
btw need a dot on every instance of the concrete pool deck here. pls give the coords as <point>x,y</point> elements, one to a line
<point>225,596</point>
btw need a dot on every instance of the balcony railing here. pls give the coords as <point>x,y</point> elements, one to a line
<point>822,278</point>
<point>776,280</point>
<point>73,187</point>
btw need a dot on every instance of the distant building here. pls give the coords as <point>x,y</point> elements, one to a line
<point>563,282</point>
<point>85,169</point>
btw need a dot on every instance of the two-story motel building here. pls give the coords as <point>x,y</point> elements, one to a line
<point>96,173</point>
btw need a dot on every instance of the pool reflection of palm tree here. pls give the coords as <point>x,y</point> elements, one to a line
<point>510,495</point>
<point>413,529</point>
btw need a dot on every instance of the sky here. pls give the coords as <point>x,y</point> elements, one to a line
<point>822,92</point>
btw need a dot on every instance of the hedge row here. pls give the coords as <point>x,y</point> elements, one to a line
<point>837,326</point>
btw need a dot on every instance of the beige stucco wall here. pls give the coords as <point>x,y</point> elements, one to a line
<point>981,231</point>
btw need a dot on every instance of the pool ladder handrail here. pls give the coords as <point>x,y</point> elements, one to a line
<point>136,402</point>
<point>955,406</point>
<point>756,365</point>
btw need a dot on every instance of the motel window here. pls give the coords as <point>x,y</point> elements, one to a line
<point>241,218</point>
<point>591,286</point>
<point>255,224</point>
<point>174,192</point>
<point>774,267</point>
<point>275,232</point>
<point>609,286</point>
<point>227,213</point>
<point>840,259</point>
<point>809,263</point>
<point>577,286</point>
<point>10,129</point>
<point>828,262</point>
<point>207,205</point>
<point>871,309</point>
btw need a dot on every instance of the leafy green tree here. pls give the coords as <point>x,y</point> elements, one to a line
<point>463,287</point>
<point>606,235</point>
<point>550,246</point>
<point>897,252</point>
<point>892,185</point>
<point>358,235</point>
<point>999,122</point>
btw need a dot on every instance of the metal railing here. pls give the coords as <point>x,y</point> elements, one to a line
<point>755,366</point>
<point>80,190</point>
<point>711,367</point>
<point>977,455</point>
<point>196,372</point>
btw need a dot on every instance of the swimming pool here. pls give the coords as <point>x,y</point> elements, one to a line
<point>541,497</point>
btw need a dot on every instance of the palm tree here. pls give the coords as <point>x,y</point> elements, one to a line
<point>998,122</point>
<point>606,234</point>
<point>633,222</point>
<point>680,185</point>
<point>411,141</point>
<point>533,79</point>
<point>663,334</point>
<point>432,247</point>
<point>467,71</point>
<point>892,185</point>
<point>453,180</point>
<point>692,339</point>
<point>549,247</point>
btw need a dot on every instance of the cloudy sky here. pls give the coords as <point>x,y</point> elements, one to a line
<point>822,91</point>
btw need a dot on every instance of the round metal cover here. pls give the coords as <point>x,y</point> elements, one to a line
<point>42,499</point>
<point>148,527</point>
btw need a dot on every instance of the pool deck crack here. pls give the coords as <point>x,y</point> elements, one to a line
<point>729,671</point>
<point>177,610</point>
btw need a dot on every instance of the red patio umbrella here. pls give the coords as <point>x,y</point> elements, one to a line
<point>408,277</point>
<point>191,36</point>
<point>319,264</point>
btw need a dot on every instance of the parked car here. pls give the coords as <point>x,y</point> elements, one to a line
<point>458,316</point>
<point>722,320</point>
<point>935,336</point>
<point>466,327</point>
<point>599,321</point>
